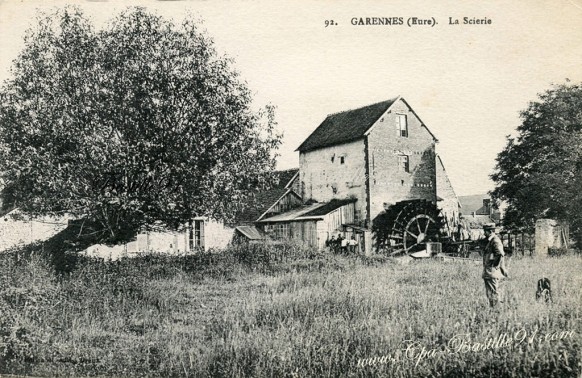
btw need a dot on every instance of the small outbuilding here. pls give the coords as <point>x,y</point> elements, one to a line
<point>313,223</point>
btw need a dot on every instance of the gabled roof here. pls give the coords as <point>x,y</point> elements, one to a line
<point>345,126</point>
<point>288,191</point>
<point>284,179</point>
<point>264,200</point>
<point>351,125</point>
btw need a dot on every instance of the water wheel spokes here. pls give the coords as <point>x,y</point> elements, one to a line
<point>417,235</point>
<point>407,226</point>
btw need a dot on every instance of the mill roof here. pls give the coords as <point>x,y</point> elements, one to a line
<point>349,125</point>
<point>345,126</point>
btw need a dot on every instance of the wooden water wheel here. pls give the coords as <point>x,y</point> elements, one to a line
<point>407,226</point>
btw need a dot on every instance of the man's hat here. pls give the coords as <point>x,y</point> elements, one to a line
<point>489,227</point>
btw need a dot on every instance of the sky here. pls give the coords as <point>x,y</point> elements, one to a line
<point>468,83</point>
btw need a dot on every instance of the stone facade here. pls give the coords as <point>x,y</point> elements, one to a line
<point>389,181</point>
<point>335,172</point>
<point>15,232</point>
<point>386,165</point>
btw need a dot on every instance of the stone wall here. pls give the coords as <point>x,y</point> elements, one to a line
<point>550,234</point>
<point>216,236</point>
<point>323,176</point>
<point>340,171</point>
<point>388,182</point>
<point>15,232</point>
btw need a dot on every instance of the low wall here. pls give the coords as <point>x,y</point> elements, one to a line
<point>216,236</point>
<point>550,234</point>
<point>15,232</point>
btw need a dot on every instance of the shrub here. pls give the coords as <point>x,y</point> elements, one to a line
<point>558,251</point>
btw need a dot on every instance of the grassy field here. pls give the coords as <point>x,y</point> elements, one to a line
<point>324,316</point>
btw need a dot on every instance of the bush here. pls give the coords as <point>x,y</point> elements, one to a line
<point>558,251</point>
<point>375,259</point>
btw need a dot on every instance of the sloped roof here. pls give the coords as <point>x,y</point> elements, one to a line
<point>444,171</point>
<point>476,221</point>
<point>252,233</point>
<point>329,207</point>
<point>312,211</point>
<point>283,178</point>
<point>265,199</point>
<point>345,126</point>
<point>293,214</point>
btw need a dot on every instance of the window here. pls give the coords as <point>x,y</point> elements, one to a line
<point>342,159</point>
<point>196,235</point>
<point>402,125</point>
<point>281,231</point>
<point>403,163</point>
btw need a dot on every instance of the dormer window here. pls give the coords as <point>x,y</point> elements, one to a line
<point>402,125</point>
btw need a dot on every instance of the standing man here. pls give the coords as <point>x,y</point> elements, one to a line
<point>331,244</point>
<point>353,244</point>
<point>494,271</point>
<point>344,245</point>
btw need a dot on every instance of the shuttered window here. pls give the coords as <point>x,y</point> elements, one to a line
<point>402,125</point>
<point>196,235</point>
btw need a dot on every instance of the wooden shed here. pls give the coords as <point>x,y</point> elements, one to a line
<point>312,224</point>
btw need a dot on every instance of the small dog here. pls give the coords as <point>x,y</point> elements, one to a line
<point>544,290</point>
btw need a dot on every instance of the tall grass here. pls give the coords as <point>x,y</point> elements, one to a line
<point>235,314</point>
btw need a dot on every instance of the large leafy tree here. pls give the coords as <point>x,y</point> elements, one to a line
<point>139,123</point>
<point>539,173</point>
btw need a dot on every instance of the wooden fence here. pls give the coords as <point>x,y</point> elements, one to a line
<point>518,242</point>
